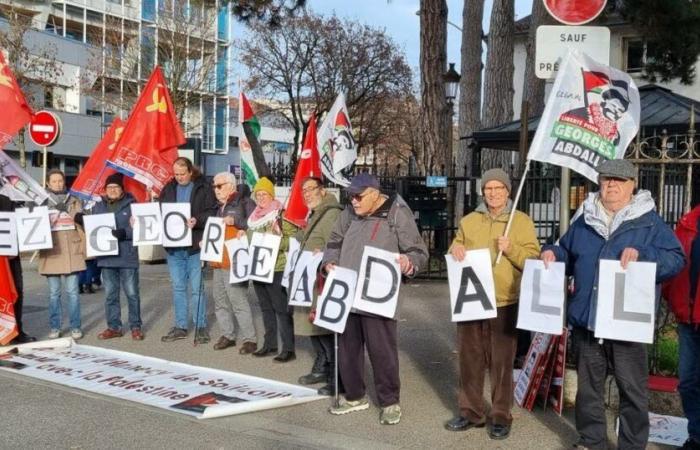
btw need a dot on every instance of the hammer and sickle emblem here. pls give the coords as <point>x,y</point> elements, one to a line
<point>117,135</point>
<point>5,79</point>
<point>158,103</point>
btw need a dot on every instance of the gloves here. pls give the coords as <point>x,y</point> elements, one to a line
<point>119,233</point>
<point>78,219</point>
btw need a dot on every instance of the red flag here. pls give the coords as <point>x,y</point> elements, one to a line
<point>14,110</point>
<point>8,296</point>
<point>593,81</point>
<point>309,166</point>
<point>148,145</point>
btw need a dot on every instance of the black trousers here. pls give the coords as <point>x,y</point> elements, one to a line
<point>16,269</point>
<point>627,361</point>
<point>276,313</point>
<point>324,348</point>
<point>379,335</point>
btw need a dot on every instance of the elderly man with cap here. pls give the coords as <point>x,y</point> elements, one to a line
<point>385,222</point>
<point>123,268</point>
<point>491,343</point>
<point>614,223</point>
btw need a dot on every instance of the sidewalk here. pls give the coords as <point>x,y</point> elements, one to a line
<point>41,415</point>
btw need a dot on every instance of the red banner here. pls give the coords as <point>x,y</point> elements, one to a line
<point>8,296</point>
<point>15,113</point>
<point>309,166</point>
<point>148,145</point>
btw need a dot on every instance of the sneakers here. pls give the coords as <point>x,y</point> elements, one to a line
<point>391,415</point>
<point>347,406</point>
<point>201,336</point>
<point>109,333</point>
<point>76,333</point>
<point>175,334</point>
<point>54,333</point>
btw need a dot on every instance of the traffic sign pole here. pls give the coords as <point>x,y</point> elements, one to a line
<point>46,163</point>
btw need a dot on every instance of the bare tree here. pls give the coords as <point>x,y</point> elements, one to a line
<point>533,87</point>
<point>271,12</point>
<point>433,63</point>
<point>35,67</point>
<point>498,79</point>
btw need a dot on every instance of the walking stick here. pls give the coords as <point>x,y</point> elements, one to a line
<point>199,302</point>
<point>335,370</point>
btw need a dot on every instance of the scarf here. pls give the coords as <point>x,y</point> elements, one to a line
<point>261,217</point>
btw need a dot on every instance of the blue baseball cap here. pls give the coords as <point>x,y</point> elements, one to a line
<point>362,181</point>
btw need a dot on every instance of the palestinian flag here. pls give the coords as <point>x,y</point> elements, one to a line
<point>250,132</point>
<point>594,81</point>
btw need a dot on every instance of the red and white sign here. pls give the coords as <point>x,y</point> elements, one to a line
<point>574,12</point>
<point>45,128</point>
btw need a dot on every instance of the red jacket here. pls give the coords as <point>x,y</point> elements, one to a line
<point>677,289</point>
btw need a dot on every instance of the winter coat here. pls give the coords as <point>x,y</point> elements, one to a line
<point>128,257</point>
<point>589,240</point>
<point>312,237</point>
<point>68,253</point>
<point>392,227</point>
<point>479,230</point>
<point>276,226</point>
<point>239,208</point>
<point>203,205</point>
<point>677,291</point>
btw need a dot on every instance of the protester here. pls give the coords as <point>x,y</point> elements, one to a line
<point>385,222</point>
<point>88,278</point>
<point>267,218</point>
<point>231,300</point>
<point>683,295</point>
<point>325,210</point>
<point>614,223</point>
<point>491,343</point>
<point>188,186</point>
<point>6,205</point>
<point>122,268</point>
<point>62,263</point>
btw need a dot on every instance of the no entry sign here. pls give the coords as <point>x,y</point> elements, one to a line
<point>45,128</point>
<point>574,12</point>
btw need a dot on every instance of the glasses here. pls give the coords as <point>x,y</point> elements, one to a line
<point>113,186</point>
<point>219,186</point>
<point>495,189</point>
<point>358,197</point>
<point>309,190</point>
<point>610,180</point>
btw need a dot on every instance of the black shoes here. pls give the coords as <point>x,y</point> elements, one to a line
<point>264,351</point>
<point>460,423</point>
<point>691,444</point>
<point>175,334</point>
<point>285,356</point>
<point>313,378</point>
<point>498,431</point>
<point>23,338</point>
<point>86,289</point>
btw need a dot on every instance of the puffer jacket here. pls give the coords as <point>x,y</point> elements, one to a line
<point>479,230</point>
<point>589,239</point>
<point>128,257</point>
<point>678,290</point>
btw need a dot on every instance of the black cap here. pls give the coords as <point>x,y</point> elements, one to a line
<point>361,182</point>
<point>115,178</point>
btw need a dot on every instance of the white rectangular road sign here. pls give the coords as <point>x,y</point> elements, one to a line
<point>554,40</point>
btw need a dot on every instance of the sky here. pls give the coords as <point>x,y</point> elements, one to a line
<point>398,18</point>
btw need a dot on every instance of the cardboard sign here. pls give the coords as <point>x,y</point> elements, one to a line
<point>176,233</point>
<point>533,363</point>
<point>292,257</point>
<point>213,240</point>
<point>304,279</point>
<point>239,259</point>
<point>148,224</point>
<point>542,296</point>
<point>556,390</point>
<point>60,220</point>
<point>472,290</point>
<point>378,283</point>
<point>263,256</point>
<point>626,301</point>
<point>98,235</point>
<point>335,301</point>
<point>33,229</point>
<point>8,234</point>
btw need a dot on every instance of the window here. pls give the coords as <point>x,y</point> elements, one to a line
<point>636,54</point>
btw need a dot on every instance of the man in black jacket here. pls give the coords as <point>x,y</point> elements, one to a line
<point>189,186</point>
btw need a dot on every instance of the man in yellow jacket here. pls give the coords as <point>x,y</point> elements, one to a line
<point>491,343</point>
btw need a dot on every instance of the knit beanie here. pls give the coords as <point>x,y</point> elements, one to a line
<point>265,185</point>
<point>496,175</point>
<point>115,178</point>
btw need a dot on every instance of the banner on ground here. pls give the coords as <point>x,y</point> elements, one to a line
<point>472,289</point>
<point>626,301</point>
<point>196,391</point>
<point>336,144</point>
<point>542,296</point>
<point>591,116</point>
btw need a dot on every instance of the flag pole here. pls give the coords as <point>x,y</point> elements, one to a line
<point>515,203</point>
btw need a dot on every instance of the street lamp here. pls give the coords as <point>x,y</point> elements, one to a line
<point>451,79</point>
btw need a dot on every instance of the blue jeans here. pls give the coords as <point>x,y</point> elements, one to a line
<point>184,267</point>
<point>70,285</point>
<point>689,371</point>
<point>91,274</point>
<point>129,279</point>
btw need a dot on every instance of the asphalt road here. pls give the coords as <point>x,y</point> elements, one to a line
<point>37,414</point>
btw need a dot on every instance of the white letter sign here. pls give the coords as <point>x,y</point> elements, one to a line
<point>148,227</point>
<point>335,301</point>
<point>239,259</point>
<point>542,295</point>
<point>626,301</point>
<point>292,256</point>
<point>33,229</point>
<point>98,235</point>
<point>213,240</point>
<point>263,255</point>
<point>304,279</point>
<point>176,233</point>
<point>472,291</point>
<point>378,283</point>
<point>8,234</point>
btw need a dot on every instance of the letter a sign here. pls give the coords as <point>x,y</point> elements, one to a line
<point>472,290</point>
<point>626,301</point>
